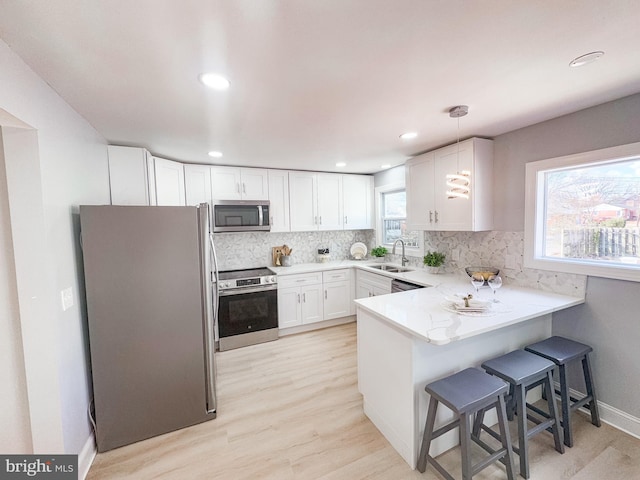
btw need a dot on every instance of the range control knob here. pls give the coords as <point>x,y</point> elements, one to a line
<point>272,279</point>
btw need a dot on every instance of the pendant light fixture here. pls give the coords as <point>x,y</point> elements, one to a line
<point>459,183</point>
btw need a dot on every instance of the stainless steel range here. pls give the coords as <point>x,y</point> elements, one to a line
<point>248,307</point>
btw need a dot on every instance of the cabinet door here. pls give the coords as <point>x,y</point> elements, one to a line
<point>225,183</point>
<point>454,213</point>
<point>303,203</point>
<point>197,184</point>
<point>330,201</point>
<point>254,184</point>
<point>337,302</point>
<point>169,182</point>
<point>129,176</point>
<point>357,192</point>
<point>311,303</point>
<point>289,307</point>
<point>279,199</point>
<point>420,197</point>
<point>363,290</point>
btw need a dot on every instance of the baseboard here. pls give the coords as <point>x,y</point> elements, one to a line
<point>611,415</point>
<point>86,456</point>
<point>316,326</point>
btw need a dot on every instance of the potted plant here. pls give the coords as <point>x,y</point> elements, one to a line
<point>433,261</point>
<point>379,252</point>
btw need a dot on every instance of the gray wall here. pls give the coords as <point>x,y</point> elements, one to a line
<point>609,320</point>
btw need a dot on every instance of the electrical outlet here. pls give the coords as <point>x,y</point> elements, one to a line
<point>510,262</point>
<point>455,255</point>
<point>67,298</point>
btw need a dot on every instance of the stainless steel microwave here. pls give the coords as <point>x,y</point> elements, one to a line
<point>241,216</point>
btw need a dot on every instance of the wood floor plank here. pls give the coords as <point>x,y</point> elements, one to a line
<point>290,410</point>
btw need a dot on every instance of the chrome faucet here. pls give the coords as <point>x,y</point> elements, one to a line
<point>405,260</point>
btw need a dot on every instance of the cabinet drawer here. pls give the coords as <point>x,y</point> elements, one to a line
<point>335,275</point>
<point>299,279</point>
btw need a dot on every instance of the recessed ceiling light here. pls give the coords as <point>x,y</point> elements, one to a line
<point>215,81</point>
<point>341,164</point>
<point>215,154</point>
<point>409,135</point>
<point>385,166</point>
<point>585,59</point>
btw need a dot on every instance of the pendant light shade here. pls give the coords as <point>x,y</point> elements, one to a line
<point>459,183</point>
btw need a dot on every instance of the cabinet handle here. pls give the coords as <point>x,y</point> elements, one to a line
<point>304,298</point>
<point>325,294</point>
<point>320,219</point>
<point>238,187</point>
<point>315,220</point>
<point>271,220</point>
<point>436,216</point>
<point>298,298</point>
<point>430,216</point>
<point>345,220</point>
<point>244,188</point>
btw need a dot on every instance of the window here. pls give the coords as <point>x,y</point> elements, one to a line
<point>583,213</point>
<point>392,216</point>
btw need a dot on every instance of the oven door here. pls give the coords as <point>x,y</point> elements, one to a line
<point>247,310</point>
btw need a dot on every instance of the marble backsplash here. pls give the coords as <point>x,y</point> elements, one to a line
<point>250,250</point>
<point>463,249</point>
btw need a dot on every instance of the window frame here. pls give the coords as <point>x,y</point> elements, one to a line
<point>389,188</point>
<point>534,214</point>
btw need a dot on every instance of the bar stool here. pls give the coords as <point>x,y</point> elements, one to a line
<point>465,393</point>
<point>562,351</point>
<point>524,371</point>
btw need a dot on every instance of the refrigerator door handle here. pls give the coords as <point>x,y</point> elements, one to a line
<point>210,310</point>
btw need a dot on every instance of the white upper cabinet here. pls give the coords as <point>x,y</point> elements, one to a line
<point>131,176</point>
<point>169,182</point>
<point>303,188</point>
<point>197,183</point>
<point>428,205</point>
<point>231,183</point>
<point>279,200</point>
<point>330,201</point>
<point>357,202</point>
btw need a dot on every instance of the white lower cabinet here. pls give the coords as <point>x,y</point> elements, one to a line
<point>337,293</point>
<point>371,284</point>
<point>299,299</point>
<point>313,297</point>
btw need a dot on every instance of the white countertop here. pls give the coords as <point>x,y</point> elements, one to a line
<point>421,313</point>
<point>417,275</point>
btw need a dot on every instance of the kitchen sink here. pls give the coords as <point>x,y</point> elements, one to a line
<point>391,268</point>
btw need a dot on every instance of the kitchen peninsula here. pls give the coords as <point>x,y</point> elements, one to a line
<point>408,339</point>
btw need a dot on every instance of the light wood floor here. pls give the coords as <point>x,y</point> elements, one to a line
<point>290,409</point>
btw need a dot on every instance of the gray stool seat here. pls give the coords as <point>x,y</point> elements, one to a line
<point>524,371</point>
<point>466,393</point>
<point>562,351</point>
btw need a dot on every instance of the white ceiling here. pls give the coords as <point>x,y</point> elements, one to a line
<point>314,82</point>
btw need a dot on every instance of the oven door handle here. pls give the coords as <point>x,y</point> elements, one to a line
<point>240,291</point>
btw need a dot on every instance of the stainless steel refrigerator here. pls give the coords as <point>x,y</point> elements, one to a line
<point>150,279</point>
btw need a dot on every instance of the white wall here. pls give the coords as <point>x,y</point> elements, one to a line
<point>71,169</point>
<point>14,411</point>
